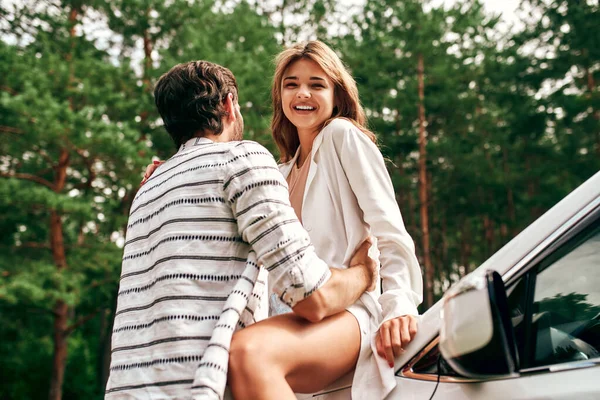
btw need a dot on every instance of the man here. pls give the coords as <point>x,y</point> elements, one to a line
<point>198,232</point>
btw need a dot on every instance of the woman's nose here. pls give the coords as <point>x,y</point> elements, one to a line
<point>303,92</point>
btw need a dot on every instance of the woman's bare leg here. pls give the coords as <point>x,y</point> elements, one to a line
<point>281,355</point>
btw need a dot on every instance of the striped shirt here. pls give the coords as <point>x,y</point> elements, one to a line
<point>200,232</point>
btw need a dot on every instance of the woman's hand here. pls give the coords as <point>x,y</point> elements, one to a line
<point>150,170</point>
<point>395,334</point>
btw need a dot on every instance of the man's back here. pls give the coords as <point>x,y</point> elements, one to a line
<point>182,255</point>
<point>187,246</point>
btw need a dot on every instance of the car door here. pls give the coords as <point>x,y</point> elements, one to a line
<point>555,309</point>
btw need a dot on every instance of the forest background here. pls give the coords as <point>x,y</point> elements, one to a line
<point>485,127</point>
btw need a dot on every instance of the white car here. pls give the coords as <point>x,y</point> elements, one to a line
<point>524,325</point>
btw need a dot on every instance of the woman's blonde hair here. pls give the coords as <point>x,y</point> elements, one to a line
<point>347,104</point>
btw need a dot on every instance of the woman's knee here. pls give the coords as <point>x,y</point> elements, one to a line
<point>246,352</point>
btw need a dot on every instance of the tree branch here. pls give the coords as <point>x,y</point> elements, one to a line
<point>29,177</point>
<point>81,321</point>
<point>10,129</point>
<point>34,245</point>
<point>9,90</point>
<point>95,284</point>
<point>44,171</point>
<point>27,308</point>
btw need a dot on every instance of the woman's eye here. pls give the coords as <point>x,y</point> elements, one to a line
<point>290,85</point>
<point>318,86</point>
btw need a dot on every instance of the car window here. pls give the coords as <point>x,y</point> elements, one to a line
<point>564,308</point>
<point>517,303</point>
<point>565,318</point>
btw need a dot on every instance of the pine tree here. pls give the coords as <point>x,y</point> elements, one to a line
<point>69,155</point>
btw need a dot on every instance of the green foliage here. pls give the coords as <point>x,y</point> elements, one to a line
<point>244,42</point>
<point>512,123</point>
<point>494,156</point>
<point>70,148</point>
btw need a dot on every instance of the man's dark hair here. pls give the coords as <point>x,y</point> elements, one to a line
<point>190,99</point>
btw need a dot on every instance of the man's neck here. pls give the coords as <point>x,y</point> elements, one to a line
<point>224,137</point>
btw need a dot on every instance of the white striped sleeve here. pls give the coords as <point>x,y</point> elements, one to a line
<point>259,198</point>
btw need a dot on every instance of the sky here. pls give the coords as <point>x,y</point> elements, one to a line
<point>504,7</point>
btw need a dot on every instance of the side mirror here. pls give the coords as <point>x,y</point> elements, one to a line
<point>477,337</point>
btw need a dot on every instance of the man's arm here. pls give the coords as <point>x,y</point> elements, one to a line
<point>343,288</point>
<point>259,198</point>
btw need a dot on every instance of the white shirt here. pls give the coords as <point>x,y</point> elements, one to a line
<point>197,232</point>
<point>349,196</point>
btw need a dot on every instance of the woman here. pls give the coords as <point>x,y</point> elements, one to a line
<point>342,193</point>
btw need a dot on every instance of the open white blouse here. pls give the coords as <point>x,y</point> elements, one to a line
<point>349,196</point>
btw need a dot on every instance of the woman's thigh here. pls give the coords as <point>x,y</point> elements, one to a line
<point>309,355</point>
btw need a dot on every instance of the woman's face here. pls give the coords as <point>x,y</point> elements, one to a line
<point>307,96</point>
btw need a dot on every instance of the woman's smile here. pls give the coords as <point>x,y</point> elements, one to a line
<point>307,96</point>
<point>303,108</point>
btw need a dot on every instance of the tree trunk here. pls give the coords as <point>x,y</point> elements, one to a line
<point>104,346</point>
<point>534,211</point>
<point>61,309</point>
<point>59,360</point>
<point>488,227</point>
<point>435,253</point>
<point>147,58</point>
<point>445,265</point>
<point>465,246</point>
<point>510,198</point>
<point>423,187</point>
